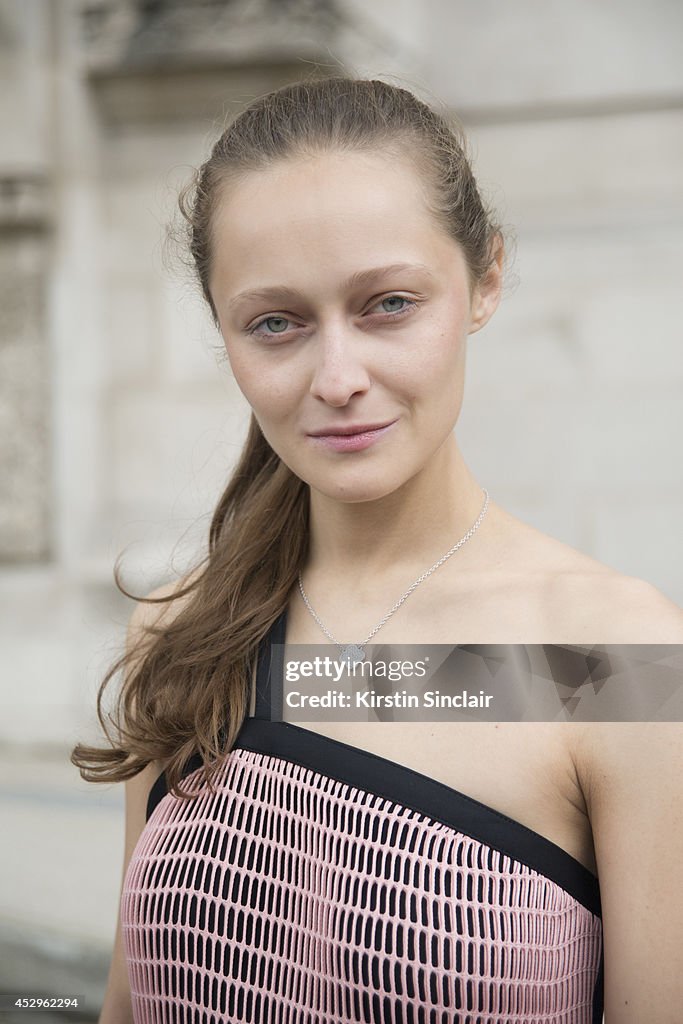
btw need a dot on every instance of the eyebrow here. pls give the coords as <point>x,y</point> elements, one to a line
<point>360,279</point>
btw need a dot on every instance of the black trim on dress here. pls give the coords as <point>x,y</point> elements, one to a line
<point>266,734</point>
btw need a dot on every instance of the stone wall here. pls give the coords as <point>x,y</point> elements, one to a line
<point>575,113</point>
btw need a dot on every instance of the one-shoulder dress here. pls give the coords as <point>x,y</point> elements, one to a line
<point>322,884</point>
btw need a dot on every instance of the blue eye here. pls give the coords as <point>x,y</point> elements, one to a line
<point>277,325</point>
<point>390,300</point>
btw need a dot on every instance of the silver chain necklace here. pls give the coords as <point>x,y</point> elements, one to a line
<point>356,652</point>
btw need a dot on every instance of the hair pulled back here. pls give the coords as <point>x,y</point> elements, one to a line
<point>350,115</point>
<point>187,689</point>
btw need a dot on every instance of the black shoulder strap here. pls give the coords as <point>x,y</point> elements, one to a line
<point>269,679</point>
<point>269,671</point>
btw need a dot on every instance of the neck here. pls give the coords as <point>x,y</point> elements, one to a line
<point>408,529</point>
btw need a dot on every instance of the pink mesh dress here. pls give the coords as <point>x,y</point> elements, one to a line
<point>321,883</point>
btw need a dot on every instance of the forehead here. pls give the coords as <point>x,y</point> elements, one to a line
<point>324,217</point>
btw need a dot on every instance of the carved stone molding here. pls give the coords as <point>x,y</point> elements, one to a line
<point>166,61</point>
<point>128,36</point>
<point>24,370</point>
<point>24,201</point>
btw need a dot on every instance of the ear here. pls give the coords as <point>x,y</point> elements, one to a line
<point>487,292</point>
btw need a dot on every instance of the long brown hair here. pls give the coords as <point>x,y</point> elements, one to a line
<point>194,675</point>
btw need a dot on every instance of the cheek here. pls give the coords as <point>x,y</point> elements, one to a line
<point>260,383</point>
<point>436,387</point>
<point>434,366</point>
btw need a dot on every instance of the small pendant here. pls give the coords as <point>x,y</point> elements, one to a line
<point>352,653</point>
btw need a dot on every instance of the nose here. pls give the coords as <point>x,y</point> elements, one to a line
<point>339,371</point>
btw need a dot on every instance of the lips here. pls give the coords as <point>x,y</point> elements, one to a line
<point>353,437</point>
<point>348,430</point>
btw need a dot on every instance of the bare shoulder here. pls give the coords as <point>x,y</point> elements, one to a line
<point>167,601</point>
<point>608,607</point>
<point>585,601</point>
<point>159,606</point>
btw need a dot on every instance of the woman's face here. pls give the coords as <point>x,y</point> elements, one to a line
<point>345,310</point>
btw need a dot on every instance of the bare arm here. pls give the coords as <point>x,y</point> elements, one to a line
<point>635,795</point>
<point>116,1006</point>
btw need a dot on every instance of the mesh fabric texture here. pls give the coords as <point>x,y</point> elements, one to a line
<point>292,896</point>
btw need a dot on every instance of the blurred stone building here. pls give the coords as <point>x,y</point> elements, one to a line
<point>119,422</point>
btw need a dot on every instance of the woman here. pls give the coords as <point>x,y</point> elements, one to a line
<point>354,872</point>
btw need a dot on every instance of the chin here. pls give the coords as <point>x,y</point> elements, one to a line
<point>354,491</point>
